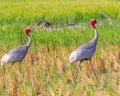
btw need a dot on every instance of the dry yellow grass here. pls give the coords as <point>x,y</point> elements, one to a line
<point>45,73</point>
<point>45,69</point>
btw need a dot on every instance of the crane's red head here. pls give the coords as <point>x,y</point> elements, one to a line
<point>93,22</point>
<point>27,30</point>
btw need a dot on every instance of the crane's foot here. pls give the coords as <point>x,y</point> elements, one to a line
<point>69,80</point>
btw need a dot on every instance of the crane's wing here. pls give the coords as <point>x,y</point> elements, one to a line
<point>86,46</point>
<point>21,49</point>
<point>15,55</point>
<point>81,54</point>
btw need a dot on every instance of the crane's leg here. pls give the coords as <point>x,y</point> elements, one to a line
<point>4,77</point>
<point>8,69</point>
<point>94,71</point>
<point>5,73</point>
<point>4,69</point>
<point>20,67</point>
<point>76,71</point>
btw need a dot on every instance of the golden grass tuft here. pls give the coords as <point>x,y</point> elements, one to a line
<point>46,72</point>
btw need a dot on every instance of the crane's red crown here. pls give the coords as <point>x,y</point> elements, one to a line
<point>27,30</point>
<point>93,22</point>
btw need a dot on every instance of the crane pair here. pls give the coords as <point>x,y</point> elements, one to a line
<point>84,52</point>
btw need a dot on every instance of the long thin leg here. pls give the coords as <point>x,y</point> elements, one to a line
<point>76,71</point>
<point>4,71</point>
<point>4,77</point>
<point>94,71</point>
<point>8,69</point>
<point>20,67</point>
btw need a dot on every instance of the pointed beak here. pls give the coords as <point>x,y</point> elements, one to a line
<point>31,30</point>
<point>97,21</point>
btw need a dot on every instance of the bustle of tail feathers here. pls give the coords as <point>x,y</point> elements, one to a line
<point>4,59</point>
<point>73,57</point>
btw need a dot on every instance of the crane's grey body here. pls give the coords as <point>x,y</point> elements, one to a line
<point>86,51</point>
<point>16,54</point>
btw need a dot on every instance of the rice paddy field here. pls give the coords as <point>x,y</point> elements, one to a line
<point>46,67</point>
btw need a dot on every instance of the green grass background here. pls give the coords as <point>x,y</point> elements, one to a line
<point>52,48</point>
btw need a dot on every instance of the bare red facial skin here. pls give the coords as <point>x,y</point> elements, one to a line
<point>27,30</point>
<point>93,22</point>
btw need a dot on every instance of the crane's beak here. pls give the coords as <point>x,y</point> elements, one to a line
<point>31,30</point>
<point>97,21</point>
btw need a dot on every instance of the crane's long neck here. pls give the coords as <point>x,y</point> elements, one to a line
<point>96,36</point>
<point>29,41</point>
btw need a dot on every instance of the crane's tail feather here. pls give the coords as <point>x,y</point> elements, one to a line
<point>73,57</point>
<point>2,63</point>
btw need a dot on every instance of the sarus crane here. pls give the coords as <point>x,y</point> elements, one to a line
<point>85,51</point>
<point>17,54</point>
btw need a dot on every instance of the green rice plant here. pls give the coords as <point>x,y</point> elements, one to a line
<point>46,68</point>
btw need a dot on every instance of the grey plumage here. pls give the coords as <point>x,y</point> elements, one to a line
<point>16,54</point>
<point>85,51</point>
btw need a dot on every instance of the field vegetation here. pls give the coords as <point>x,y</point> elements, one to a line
<point>46,67</point>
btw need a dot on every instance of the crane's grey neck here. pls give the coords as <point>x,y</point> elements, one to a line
<point>96,35</point>
<point>29,41</point>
